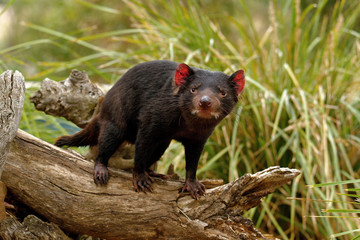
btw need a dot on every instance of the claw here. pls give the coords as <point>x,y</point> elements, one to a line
<point>101,174</point>
<point>194,187</point>
<point>142,182</point>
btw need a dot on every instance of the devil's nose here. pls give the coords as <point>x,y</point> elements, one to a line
<point>205,102</point>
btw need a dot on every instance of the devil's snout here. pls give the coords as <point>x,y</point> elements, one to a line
<point>205,102</point>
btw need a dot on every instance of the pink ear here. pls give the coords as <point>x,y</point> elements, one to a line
<point>239,79</point>
<point>183,71</point>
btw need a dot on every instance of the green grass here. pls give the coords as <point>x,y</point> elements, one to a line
<point>350,212</point>
<point>300,107</point>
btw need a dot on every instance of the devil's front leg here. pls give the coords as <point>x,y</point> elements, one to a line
<point>192,154</point>
<point>141,180</point>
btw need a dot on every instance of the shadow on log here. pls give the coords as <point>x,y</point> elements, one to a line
<point>58,185</point>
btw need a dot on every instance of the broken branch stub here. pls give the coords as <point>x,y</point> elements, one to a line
<point>12,92</point>
<point>75,98</point>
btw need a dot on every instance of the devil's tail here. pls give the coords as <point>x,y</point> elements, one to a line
<point>87,136</point>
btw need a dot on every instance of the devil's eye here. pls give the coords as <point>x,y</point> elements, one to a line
<point>223,94</point>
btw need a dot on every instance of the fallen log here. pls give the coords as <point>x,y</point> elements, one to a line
<point>58,185</point>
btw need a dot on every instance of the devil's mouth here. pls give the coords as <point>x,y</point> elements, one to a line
<point>205,113</point>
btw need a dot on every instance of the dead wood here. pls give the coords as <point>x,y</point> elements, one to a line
<point>58,185</point>
<point>32,228</point>
<point>12,91</point>
<point>63,98</point>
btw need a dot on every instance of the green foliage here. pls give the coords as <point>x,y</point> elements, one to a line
<point>300,107</point>
<point>350,211</point>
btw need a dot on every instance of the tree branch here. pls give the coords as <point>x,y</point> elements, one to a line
<point>63,98</point>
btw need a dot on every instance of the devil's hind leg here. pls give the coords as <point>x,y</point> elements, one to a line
<point>110,138</point>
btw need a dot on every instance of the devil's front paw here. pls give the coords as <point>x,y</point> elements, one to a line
<point>194,187</point>
<point>101,174</point>
<point>142,182</point>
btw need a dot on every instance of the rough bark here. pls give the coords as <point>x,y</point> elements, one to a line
<point>32,228</point>
<point>58,185</point>
<point>12,91</point>
<point>63,98</point>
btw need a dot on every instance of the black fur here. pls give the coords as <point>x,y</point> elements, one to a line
<point>149,108</point>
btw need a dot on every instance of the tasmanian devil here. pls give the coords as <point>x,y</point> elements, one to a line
<point>153,103</point>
